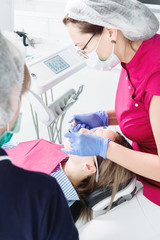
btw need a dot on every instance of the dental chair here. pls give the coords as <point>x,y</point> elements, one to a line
<point>99,200</point>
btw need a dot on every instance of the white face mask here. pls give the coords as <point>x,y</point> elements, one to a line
<point>94,62</point>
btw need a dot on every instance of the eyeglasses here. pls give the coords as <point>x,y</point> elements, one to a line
<point>97,172</point>
<point>80,51</point>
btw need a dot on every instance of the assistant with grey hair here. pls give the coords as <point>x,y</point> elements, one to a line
<point>32,203</point>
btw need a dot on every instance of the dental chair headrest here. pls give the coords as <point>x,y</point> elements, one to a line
<point>100,198</point>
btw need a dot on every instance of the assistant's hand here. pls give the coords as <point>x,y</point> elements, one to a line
<point>91,120</point>
<point>86,144</point>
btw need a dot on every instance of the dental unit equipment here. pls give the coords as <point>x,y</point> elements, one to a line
<point>46,72</point>
<point>53,114</point>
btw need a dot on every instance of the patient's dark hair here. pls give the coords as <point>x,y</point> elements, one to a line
<point>110,175</point>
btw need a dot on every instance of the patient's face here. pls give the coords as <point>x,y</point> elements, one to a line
<point>82,167</point>
<point>101,131</point>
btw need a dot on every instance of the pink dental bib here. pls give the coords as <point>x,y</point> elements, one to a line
<point>37,155</point>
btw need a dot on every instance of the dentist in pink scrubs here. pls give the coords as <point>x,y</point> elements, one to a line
<point>106,33</point>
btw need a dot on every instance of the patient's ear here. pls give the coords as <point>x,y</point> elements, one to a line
<point>88,168</point>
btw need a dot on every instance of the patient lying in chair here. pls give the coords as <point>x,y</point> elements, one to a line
<point>76,175</point>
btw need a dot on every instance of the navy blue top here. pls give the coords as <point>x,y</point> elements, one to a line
<point>32,206</point>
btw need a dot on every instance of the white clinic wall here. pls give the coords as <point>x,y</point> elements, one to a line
<point>41,17</point>
<point>6,15</point>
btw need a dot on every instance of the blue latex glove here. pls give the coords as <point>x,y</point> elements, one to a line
<point>78,127</point>
<point>86,145</point>
<point>92,120</point>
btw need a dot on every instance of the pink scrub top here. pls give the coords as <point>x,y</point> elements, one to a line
<point>139,81</point>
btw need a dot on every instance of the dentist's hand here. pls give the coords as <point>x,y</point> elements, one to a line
<point>77,126</point>
<point>90,120</point>
<point>86,145</point>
